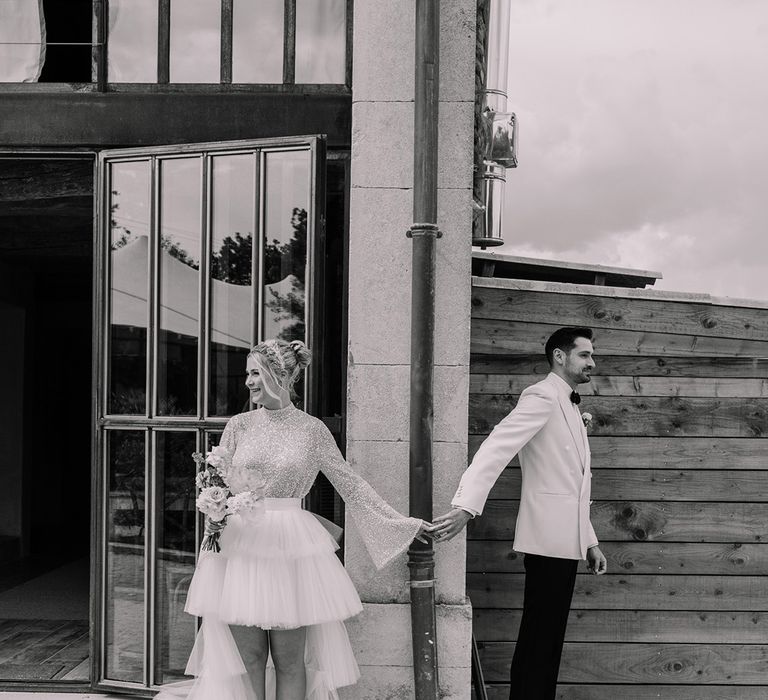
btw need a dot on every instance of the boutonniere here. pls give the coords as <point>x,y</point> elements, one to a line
<point>587,418</point>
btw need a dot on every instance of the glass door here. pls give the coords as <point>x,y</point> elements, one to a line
<point>205,249</point>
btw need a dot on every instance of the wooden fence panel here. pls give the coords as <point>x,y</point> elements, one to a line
<point>680,489</point>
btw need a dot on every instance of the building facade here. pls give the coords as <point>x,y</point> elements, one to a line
<point>180,180</point>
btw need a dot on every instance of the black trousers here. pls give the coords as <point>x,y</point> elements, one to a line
<point>548,592</point>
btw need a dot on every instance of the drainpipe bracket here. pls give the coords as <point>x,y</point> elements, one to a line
<point>424,230</point>
<point>423,584</point>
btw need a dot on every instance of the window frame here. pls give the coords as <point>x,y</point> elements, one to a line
<point>100,51</point>
<point>202,424</point>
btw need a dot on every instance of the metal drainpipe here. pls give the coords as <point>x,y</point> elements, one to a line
<point>424,232</point>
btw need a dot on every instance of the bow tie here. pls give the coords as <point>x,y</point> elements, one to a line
<point>575,398</point>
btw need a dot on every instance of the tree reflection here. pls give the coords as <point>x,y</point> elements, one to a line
<point>287,261</point>
<point>232,263</point>
<point>283,261</point>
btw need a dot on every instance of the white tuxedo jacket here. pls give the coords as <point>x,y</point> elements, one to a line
<point>546,429</point>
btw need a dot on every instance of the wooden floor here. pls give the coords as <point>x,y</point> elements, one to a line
<point>43,650</point>
<point>36,649</point>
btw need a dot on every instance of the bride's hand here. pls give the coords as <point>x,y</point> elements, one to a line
<point>425,531</point>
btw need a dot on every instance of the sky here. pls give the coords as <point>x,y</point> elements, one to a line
<point>643,139</point>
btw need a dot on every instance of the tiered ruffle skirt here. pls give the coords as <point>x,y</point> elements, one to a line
<point>279,571</point>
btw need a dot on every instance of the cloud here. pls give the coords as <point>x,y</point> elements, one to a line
<point>642,139</point>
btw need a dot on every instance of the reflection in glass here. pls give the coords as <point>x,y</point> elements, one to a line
<point>125,526</point>
<point>179,262</point>
<point>321,41</point>
<point>257,41</point>
<point>128,310</point>
<point>132,49</point>
<point>195,41</point>
<point>175,554</point>
<point>285,243</point>
<point>232,220</point>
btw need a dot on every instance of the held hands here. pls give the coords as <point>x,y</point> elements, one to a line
<point>450,524</point>
<point>596,561</point>
<point>425,531</point>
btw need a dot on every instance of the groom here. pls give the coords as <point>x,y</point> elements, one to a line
<point>553,527</point>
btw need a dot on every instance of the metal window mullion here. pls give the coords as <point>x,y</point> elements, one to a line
<point>150,443</point>
<point>257,259</point>
<point>101,662</point>
<point>289,42</point>
<point>310,394</point>
<point>153,292</point>
<point>203,354</point>
<point>105,369</point>
<point>227,20</point>
<point>101,320</point>
<point>164,42</point>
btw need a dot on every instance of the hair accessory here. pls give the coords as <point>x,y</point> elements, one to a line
<point>271,352</point>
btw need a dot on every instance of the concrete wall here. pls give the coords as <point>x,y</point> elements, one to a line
<point>379,325</point>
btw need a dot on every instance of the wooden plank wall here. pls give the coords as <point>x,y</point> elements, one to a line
<point>680,489</point>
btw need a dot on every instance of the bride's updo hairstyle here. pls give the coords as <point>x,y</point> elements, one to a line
<point>285,360</point>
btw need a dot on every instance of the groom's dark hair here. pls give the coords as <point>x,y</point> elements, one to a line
<point>564,339</point>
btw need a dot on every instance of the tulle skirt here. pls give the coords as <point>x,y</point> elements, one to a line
<point>279,571</point>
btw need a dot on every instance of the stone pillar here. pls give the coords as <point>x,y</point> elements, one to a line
<point>379,327</point>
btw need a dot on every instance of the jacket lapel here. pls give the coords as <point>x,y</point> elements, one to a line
<point>575,426</point>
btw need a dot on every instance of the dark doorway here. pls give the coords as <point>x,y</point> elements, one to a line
<point>46,277</point>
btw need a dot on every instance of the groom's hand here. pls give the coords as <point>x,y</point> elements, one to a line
<point>596,561</point>
<point>449,525</point>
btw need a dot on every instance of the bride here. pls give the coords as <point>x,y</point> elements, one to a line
<point>277,579</point>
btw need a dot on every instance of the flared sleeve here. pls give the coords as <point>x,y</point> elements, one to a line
<point>385,532</point>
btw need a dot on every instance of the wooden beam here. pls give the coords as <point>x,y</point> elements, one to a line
<point>164,42</point>
<point>663,416</point>
<point>659,485</point>
<point>601,385</point>
<point>627,365</point>
<point>289,42</point>
<point>610,452</point>
<point>620,312</point>
<point>637,521</point>
<point>622,592</point>
<point>698,664</point>
<point>227,18</point>
<point>490,336</point>
<point>726,558</point>
<point>639,626</point>
<point>156,118</point>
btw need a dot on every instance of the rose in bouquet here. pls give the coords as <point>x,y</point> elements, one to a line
<point>216,501</point>
<point>248,504</point>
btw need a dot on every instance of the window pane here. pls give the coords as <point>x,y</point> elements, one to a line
<point>285,243</point>
<point>179,261</point>
<point>124,610</point>
<point>195,41</point>
<point>132,50</point>
<point>129,234</point>
<point>321,41</point>
<point>257,41</point>
<point>68,23</point>
<point>175,556</point>
<point>231,284</point>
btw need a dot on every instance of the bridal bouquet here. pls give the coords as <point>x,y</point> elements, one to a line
<point>217,502</point>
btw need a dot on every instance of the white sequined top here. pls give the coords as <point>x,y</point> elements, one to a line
<point>286,448</point>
